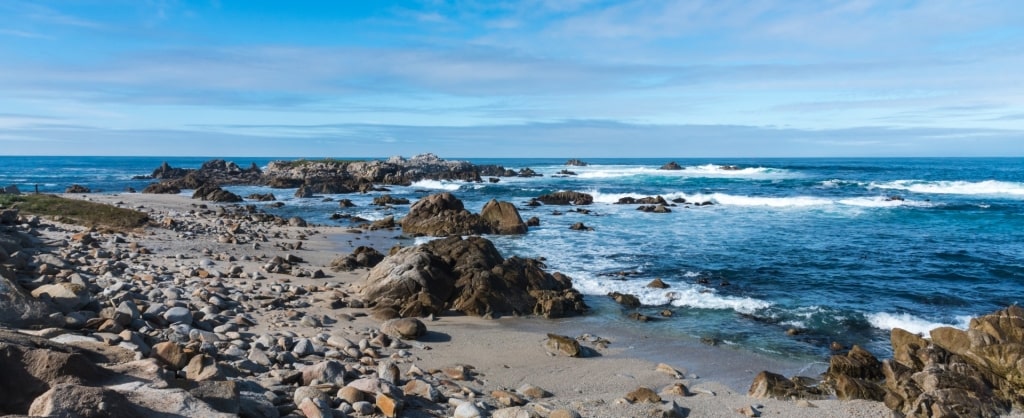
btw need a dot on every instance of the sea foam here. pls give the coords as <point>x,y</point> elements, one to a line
<point>908,322</point>
<point>679,295</point>
<point>987,187</point>
<point>437,185</point>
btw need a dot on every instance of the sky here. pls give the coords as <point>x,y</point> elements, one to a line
<point>531,78</point>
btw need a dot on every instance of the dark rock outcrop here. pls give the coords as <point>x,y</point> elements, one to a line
<point>77,188</point>
<point>671,165</point>
<point>387,200</point>
<point>469,276</point>
<point>443,214</point>
<point>566,198</point>
<point>215,194</point>
<point>576,163</point>
<point>161,188</point>
<point>977,373</point>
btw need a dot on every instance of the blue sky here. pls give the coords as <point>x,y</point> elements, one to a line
<point>532,78</point>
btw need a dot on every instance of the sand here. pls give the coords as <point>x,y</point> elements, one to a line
<point>508,352</point>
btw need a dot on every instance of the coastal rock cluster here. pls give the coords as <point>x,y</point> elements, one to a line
<point>978,372</point>
<point>443,214</point>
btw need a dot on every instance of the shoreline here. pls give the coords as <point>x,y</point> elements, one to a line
<point>508,352</point>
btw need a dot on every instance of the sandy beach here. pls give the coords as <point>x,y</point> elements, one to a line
<point>502,354</point>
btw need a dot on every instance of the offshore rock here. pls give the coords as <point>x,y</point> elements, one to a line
<point>566,198</point>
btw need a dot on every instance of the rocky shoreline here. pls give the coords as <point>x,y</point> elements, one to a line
<point>223,310</point>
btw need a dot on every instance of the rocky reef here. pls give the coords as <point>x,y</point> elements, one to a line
<point>978,372</point>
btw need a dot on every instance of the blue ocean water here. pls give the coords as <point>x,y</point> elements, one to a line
<point>817,245</point>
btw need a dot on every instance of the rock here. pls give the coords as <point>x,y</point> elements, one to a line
<point>404,328</point>
<point>66,297</point>
<point>657,284</point>
<point>419,387</point>
<point>203,367</point>
<point>858,363</point>
<point>77,188</point>
<point>316,408</point>
<point>514,412</point>
<point>177,315</point>
<point>161,188</point>
<point>775,386</point>
<point>352,395</point>
<point>361,257</point>
<point>216,194</point>
<point>507,398</point>
<point>503,217</point>
<point>576,163</point>
<point>580,226</point>
<point>749,411</point>
<point>564,345</point>
<point>676,389</point>
<point>298,222</point>
<point>469,276</point>
<point>671,165</point>
<point>308,392</point>
<point>69,400</point>
<point>388,372</point>
<point>644,395</point>
<point>669,370</point>
<point>849,388</point>
<point>170,354</point>
<point>19,309</point>
<point>387,200</point>
<point>262,197</point>
<point>329,372</point>
<point>533,392</point>
<point>389,406</point>
<point>566,198</point>
<point>533,221</point>
<point>443,214</point>
<point>222,396</point>
<point>467,410</point>
<point>564,413</point>
<point>628,301</point>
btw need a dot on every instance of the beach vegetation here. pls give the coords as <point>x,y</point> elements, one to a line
<point>79,212</point>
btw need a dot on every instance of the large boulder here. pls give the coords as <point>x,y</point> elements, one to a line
<point>443,214</point>
<point>503,217</point>
<point>469,276</point>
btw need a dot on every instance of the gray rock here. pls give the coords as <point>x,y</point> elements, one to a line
<point>178,314</point>
<point>304,347</point>
<point>467,410</point>
<point>305,392</point>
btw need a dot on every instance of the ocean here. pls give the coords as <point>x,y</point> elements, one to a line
<point>837,249</point>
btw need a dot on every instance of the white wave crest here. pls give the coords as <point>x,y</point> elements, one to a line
<point>987,187</point>
<point>681,295</point>
<point>437,185</point>
<point>775,202</point>
<point>911,323</point>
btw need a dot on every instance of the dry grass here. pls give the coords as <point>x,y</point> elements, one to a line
<point>79,212</point>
